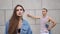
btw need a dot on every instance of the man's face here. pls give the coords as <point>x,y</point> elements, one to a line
<point>44,12</point>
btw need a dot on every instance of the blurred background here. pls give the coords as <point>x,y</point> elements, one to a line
<point>32,7</point>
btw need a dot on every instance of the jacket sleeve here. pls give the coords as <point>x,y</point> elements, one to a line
<point>29,30</point>
<point>6,27</point>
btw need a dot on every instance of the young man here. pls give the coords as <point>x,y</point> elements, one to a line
<point>43,20</point>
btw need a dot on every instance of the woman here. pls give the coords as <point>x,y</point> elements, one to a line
<point>43,20</point>
<point>17,25</point>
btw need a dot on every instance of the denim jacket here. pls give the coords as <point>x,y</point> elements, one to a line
<point>25,29</point>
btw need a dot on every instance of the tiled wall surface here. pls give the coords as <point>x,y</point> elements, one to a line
<point>32,7</point>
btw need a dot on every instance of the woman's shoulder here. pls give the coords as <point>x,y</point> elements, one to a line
<point>25,22</point>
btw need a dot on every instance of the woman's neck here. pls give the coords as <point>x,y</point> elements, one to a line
<point>20,18</point>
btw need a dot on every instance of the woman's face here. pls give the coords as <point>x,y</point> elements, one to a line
<point>19,11</point>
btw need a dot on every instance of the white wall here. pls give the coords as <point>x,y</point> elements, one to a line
<point>33,7</point>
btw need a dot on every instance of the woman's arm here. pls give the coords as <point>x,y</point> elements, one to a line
<point>53,23</point>
<point>36,17</point>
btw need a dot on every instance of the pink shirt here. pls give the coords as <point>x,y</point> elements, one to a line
<point>43,22</point>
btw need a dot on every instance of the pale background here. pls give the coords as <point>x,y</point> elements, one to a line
<point>33,7</point>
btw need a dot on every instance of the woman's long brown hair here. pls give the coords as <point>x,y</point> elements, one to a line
<point>13,22</point>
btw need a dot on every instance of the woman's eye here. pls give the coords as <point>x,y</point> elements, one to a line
<point>17,10</point>
<point>21,9</point>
